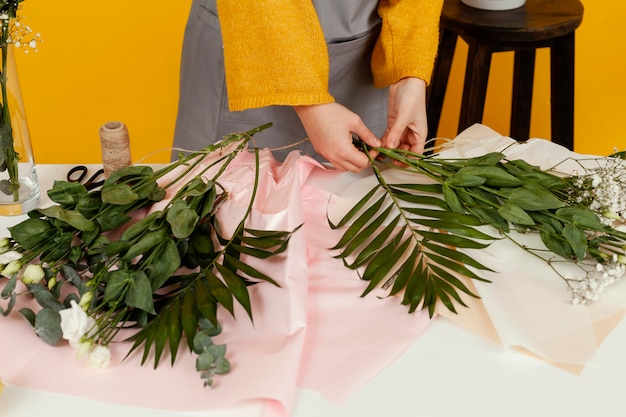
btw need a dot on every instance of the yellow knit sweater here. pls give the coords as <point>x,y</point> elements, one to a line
<point>275,52</point>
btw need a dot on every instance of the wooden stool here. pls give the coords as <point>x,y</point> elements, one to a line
<point>538,24</point>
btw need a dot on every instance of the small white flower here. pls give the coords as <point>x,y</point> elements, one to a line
<point>11,268</point>
<point>33,274</point>
<point>5,244</point>
<point>85,300</point>
<point>10,256</point>
<point>33,44</point>
<point>99,357</point>
<point>84,348</point>
<point>75,323</point>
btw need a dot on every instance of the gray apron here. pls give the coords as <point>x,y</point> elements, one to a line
<point>350,27</point>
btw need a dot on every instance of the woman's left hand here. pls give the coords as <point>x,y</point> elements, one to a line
<point>407,125</point>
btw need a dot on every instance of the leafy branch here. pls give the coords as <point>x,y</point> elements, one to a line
<point>405,236</point>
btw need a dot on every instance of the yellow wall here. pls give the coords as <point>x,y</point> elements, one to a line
<point>101,60</point>
<point>105,60</point>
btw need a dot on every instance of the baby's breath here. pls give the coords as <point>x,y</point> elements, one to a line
<point>601,189</point>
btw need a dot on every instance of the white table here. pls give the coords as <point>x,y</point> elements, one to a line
<point>447,373</point>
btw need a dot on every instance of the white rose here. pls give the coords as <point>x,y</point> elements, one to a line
<point>9,256</point>
<point>11,268</point>
<point>75,323</point>
<point>99,357</point>
<point>33,274</point>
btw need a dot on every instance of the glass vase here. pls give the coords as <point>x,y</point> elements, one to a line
<point>19,187</point>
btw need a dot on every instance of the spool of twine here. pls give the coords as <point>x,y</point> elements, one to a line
<point>115,144</point>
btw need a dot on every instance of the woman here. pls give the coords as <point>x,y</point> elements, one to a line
<point>325,69</point>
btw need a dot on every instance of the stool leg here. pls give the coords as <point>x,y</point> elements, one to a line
<point>439,82</point>
<point>523,78</point>
<point>475,84</point>
<point>562,90</point>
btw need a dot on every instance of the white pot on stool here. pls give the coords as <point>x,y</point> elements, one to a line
<point>494,4</point>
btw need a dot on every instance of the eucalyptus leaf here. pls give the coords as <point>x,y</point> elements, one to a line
<point>48,326</point>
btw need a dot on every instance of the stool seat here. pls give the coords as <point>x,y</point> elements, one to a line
<point>537,24</point>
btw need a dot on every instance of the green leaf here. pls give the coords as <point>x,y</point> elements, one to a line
<point>452,199</point>
<point>359,223</point>
<point>237,287</point>
<point>182,219</point>
<point>31,232</point>
<point>375,245</point>
<point>452,240</point>
<point>459,218</point>
<point>11,304</point>
<point>534,199</point>
<point>147,242</point>
<point>206,303</point>
<point>175,329</point>
<point>424,188</point>
<point>163,262</point>
<point>454,255</point>
<point>384,261</point>
<point>118,194</point>
<point>139,292</point>
<point>515,214</point>
<point>465,180</point>
<point>117,285</point>
<point>220,291</point>
<point>29,316</point>
<point>161,333</point>
<point>9,287</point>
<point>490,158</point>
<point>66,193</point>
<point>89,205</point>
<point>405,272</point>
<point>188,316</point>
<point>555,242</point>
<point>48,326</point>
<point>45,298</point>
<point>366,233</point>
<point>247,269</point>
<point>356,209</point>
<point>576,239</point>
<point>495,176</point>
<point>426,200</point>
<point>112,220</point>
<point>130,174</point>
<point>149,223</point>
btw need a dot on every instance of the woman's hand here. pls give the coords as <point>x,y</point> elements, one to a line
<point>407,125</point>
<point>330,127</point>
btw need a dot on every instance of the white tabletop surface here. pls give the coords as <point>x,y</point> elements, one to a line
<point>449,372</point>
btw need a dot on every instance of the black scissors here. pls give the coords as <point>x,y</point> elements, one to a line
<point>78,174</point>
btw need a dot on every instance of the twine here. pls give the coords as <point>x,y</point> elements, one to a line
<point>115,144</point>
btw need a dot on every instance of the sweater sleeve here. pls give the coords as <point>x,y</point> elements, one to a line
<point>274,53</point>
<point>407,45</point>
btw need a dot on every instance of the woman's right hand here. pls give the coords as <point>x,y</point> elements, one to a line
<point>330,127</point>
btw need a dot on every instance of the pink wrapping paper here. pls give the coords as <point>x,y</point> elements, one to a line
<point>314,332</point>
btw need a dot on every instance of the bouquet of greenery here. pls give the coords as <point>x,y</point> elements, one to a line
<point>164,274</point>
<point>412,238</point>
<point>12,32</point>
